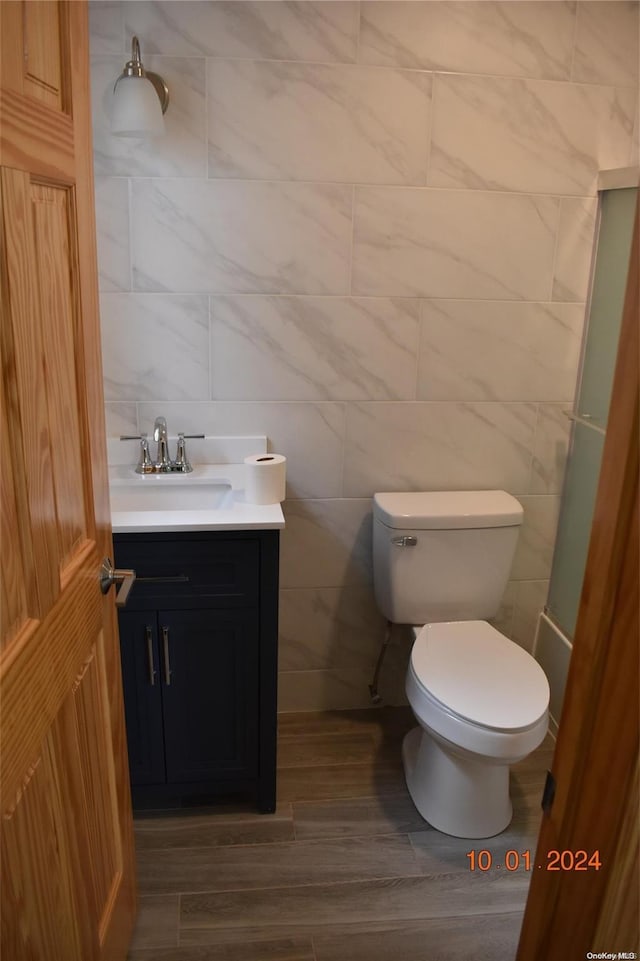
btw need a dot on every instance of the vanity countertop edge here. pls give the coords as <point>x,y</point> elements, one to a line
<point>239,515</point>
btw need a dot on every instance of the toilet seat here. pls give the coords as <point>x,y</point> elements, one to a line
<point>477,675</point>
<point>444,715</point>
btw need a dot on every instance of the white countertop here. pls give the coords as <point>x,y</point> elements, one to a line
<point>237,515</point>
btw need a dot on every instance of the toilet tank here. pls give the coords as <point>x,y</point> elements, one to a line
<point>443,555</point>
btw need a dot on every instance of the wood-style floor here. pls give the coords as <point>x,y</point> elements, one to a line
<point>345,870</point>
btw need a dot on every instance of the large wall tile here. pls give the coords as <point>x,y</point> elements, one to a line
<point>299,30</point>
<point>550,449</point>
<point>437,446</point>
<point>330,627</point>
<point>231,237</point>
<point>155,346</point>
<point>181,151</point>
<point>121,419</point>
<point>503,620</point>
<point>322,691</point>
<point>311,436</point>
<point>531,597</point>
<point>296,121</point>
<point>112,233</point>
<point>189,417</point>
<point>574,249</point>
<point>463,244</point>
<point>606,45</point>
<point>529,135</point>
<point>313,348</point>
<point>106,27</point>
<point>326,543</point>
<point>537,537</point>
<point>492,350</point>
<point>513,39</point>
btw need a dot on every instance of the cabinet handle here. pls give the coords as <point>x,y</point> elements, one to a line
<point>152,671</point>
<point>170,579</point>
<point>167,663</point>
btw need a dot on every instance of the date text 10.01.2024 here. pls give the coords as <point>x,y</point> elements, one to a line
<point>483,860</point>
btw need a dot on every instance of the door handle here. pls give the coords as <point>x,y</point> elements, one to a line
<point>167,663</point>
<point>124,577</point>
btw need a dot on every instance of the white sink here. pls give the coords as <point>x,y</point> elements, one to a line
<point>151,494</point>
<point>210,498</point>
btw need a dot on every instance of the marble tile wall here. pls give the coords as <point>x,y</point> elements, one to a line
<point>367,234</point>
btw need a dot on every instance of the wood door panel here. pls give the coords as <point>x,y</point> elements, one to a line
<point>37,902</point>
<point>29,123</point>
<point>23,371</point>
<point>16,571</point>
<point>57,283</point>
<point>43,67</point>
<point>80,743</point>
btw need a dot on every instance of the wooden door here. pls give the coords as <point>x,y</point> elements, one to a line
<point>66,846</point>
<point>572,912</point>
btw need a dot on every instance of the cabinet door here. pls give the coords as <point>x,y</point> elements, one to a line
<point>141,683</point>
<point>209,694</point>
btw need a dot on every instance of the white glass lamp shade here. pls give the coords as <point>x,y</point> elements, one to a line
<point>136,109</point>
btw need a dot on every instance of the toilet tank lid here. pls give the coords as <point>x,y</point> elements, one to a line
<point>447,510</point>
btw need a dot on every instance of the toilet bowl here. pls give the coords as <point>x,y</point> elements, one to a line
<point>443,559</point>
<point>481,703</point>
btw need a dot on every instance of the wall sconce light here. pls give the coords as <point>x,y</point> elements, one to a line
<point>140,98</point>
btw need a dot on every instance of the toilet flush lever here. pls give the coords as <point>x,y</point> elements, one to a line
<point>407,540</point>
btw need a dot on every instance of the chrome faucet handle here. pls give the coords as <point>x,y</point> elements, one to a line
<point>181,462</point>
<point>145,464</point>
<point>163,464</point>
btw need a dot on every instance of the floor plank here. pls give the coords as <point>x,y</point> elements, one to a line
<point>188,829</point>
<point>491,938</point>
<point>440,854</point>
<point>382,722</point>
<point>274,910</point>
<point>285,949</point>
<point>157,922</point>
<point>275,865</point>
<point>340,781</point>
<point>353,817</point>
<point>318,749</point>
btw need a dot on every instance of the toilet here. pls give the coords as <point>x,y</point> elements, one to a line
<point>441,561</point>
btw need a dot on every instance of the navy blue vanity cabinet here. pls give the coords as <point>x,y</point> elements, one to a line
<point>199,663</point>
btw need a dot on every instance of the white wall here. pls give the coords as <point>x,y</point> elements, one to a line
<point>366,234</point>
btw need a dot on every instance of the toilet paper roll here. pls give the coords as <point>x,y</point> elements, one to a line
<point>265,478</point>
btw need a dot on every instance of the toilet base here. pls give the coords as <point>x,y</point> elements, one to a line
<point>455,793</point>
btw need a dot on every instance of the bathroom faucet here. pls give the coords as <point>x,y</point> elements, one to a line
<point>163,464</point>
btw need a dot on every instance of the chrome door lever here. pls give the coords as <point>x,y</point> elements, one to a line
<point>124,577</point>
